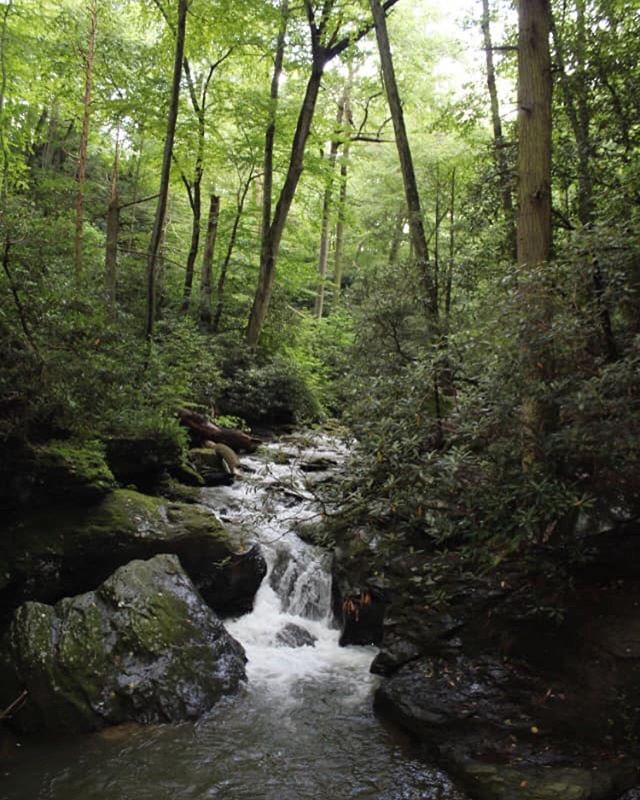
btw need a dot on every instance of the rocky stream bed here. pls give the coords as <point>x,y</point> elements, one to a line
<point>216,626</point>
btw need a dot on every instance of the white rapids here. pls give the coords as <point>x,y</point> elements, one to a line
<point>265,505</point>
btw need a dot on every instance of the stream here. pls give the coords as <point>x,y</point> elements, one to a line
<point>301,729</point>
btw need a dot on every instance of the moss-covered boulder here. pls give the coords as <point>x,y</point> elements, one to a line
<point>210,465</point>
<point>142,460</point>
<point>144,646</point>
<point>58,553</point>
<point>68,470</point>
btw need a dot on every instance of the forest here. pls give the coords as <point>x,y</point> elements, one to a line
<point>411,227</point>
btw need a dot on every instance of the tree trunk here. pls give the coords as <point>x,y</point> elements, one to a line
<point>161,208</point>
<point>273,235</point>
<point>113,231</point>
<point>502,165</point>
<point>81,173</point>
<point>323,258</point>
<point>4,149</point>
<point>196,211</point>
<point>270,133</point>
<point>534,218</point>
<point>224,267</point>
<point>416,222</point>
<point>207,259</point>
<point>342,200</point>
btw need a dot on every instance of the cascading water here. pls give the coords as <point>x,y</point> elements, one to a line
<point>302,729</point>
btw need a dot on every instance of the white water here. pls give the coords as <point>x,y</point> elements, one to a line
<point>271,500</point>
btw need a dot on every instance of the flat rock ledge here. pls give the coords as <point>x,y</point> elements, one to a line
<point>501,731</point>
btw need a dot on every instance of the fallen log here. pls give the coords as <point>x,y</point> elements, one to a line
<point>235,439</point>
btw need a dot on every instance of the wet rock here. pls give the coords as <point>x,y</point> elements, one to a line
<point>143,460</point>
<point>501,730</point>
<point>293,635</point>
<point>363,617</point>
<point>210,466</point>
<point>55,554</point>
<point>231,588</point>
<point>143,646</point>
<point>395,653</point>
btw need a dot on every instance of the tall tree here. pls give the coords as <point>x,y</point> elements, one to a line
<point>89,58</point>
<point>207,259</point>
<point>161,207</point>
<point>326,44</point>
<point>323,257</point>
<point>416,221</point>
<point>534,212</point>
<point>500,154</point>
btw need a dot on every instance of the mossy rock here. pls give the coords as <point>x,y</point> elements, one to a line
<point>142,460</point>
<point>210,465</point>
<point>67,470</point>
<point>60,553</point>
<point>510,782</point>
<point>143,646</point>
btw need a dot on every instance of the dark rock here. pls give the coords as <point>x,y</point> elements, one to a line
<point>501,729</point>
<point>293,635</point>
<point>210,466</point>
<point>35,476</point>
<point>55,554</point>
<point>363,617</point>
<point>231,587</point>
<point>395,653</point>
<point>143,460</point>
<point>143,646</point>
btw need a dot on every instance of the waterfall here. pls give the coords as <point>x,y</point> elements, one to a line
<point>294,600</point>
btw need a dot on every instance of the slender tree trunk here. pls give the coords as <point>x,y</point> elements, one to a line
<point>416,222</point>
<point>224,267</point>
<point>342,210</point>
<point>502,164</point>
<point>207,259</point>
<point>196,211</point>
<point>113,232</point>
<point>452,249</point>
<point>134,190</point>
<point>534,218</point>
<point>81,174</point>
<point>396,236</point>
<point>161,207</point>
<point>4,149</point>
<point>195,188</point>
<point>270,133</point>
<point>323,258</point>
<point>342,199</point>
<point>273,235</point>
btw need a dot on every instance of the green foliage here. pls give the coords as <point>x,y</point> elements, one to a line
<point>270,391</point>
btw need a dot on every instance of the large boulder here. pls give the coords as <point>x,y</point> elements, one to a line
<point>37,475</point>
<point>143,459</point>
<point>505,732</point>
<point>63,552</point>
<point>143,646</point>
